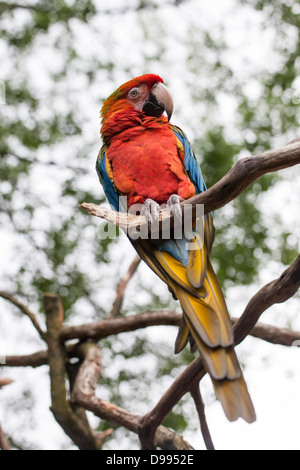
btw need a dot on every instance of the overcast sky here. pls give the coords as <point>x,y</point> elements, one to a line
<point>272,372</point>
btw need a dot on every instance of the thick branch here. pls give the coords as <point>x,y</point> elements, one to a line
<point>275,292</point>
<point>99,330</point>
<point>84,395</point>
<point>75,427</point>
<point>269,333</point>
<point>86,378</point>
<point>242,175</point>
<point>96,331</point>
<point>273,334</point>
<point>37,359</point>
<point>4,443</point>
<point>183,384</point>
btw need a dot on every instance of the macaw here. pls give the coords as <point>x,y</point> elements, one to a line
<point>151,162</point>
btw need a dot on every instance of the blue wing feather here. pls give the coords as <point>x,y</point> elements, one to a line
<point>107,184</point>
<point>190,162</point>
<point>176,248</point>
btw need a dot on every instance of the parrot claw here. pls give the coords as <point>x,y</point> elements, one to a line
<point>174,206</point>
<point>150,211</point>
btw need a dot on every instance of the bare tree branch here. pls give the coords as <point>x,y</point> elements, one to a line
<point>37,359</point>
<point>277,291</point>
<point>4,443</point>
<point>273,334</point>
<point>4,381</point>
<point>148,427</point>
<point>121,287</point>
<point>189,378</point>
<point>269,333</point>
<point>81,382</point>
<point>99,330</point>
<point>195,392</point>
<point>74,426</point>
<point>25,310</point>
<point>242,175</point>
<point>84,395</point>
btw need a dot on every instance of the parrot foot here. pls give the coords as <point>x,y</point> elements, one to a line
<point>174,206</point>
<point>150,211</point>
<point>151,208</point>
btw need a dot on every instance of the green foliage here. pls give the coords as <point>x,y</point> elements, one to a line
<point>241,230</point>
<point>278,113</point>
<point>49,142</point>
<point>288,248</point>
<point>176,421</point>
<point>41,17</point>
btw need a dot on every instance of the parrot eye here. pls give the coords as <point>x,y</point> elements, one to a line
<point>134,92</point>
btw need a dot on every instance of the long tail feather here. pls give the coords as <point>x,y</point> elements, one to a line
<point>206,322</point>
<point>235,399</point>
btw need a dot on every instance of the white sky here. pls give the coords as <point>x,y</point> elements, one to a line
<point>272,372</point>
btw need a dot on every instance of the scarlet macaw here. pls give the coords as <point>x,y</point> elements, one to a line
<point>151,162</point>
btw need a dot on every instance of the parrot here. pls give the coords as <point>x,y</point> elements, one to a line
<point>150,162</point>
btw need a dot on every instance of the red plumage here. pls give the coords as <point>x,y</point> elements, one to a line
<point>145,159</point>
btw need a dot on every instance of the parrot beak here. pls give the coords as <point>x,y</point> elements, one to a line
<point>159,101</point>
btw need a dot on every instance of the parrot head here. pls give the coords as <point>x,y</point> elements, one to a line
<point>146,94</point>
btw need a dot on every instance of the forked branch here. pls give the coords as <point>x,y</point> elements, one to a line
<point>24,309</point>
<point>72,423</point>
<point>121,287</point>
<point>85,396</point>
<point>103,329</point>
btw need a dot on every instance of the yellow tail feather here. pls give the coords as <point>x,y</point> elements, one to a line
<point>206,322</point>
<point>235,399</point>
